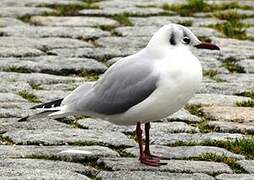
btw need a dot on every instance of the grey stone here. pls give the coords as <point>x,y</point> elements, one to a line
<point>249,21</point>
<point>100,53</point>
<point>7,86</point>
<point>133,164</point>
<point>211,63</point>
<point>150,30</point>
<point>151,175</point>
<point>170,139</point>
<point>34,164</point>
<point>42,32</point>
<point>5,22</point>
<point>123,42</point>
<point>244,48</point>
<point>247,165</point>
<point>42,43</point>
<point>12,124</point>
<point>39,78</point>
<point>168,127</point>
<point>164,20</point>
<point>45,95</point>
<point>77,21</point>
<point>10,97</point>
<point>183,152</point>
<point>116,11</point>
<point>226,88</point>
<point>39,174</point>
<point>233,114</point>
<point>35,3</point>
<point>183,115</point>
<point>250,31</point>
<point>13,11</point>
<point>69,136</point>
<point>248,65</point>
<point>64,153</point>
<point>240,78</point>
<point>54,64</point>
<point>235,177</point>
<point>231,127</point>
<point>216,100</point>
<point>98,124</point>
<point>19,52</point>
<point>62,86</point>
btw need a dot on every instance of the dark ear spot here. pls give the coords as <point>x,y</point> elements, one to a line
<point>172,39</point>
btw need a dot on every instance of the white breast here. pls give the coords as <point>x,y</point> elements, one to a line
<point>180,77</point>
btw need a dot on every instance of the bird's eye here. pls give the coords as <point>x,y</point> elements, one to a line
<point>186,40</point>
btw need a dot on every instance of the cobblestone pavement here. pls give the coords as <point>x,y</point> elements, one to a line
<point>49,47</point>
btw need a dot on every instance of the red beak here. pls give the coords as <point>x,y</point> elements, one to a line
<point>207,46</point>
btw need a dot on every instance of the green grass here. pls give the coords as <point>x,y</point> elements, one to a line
<point>233,67</point>
<point>29,96</point>
<point>247,94</point>
<point>194,109</point>
<point>67,9</point>
<point>203,126</point>
<point>35,85</point>
<point>110,29</point>
<point>5,140</point>
<point>212,75</point>
<point>17,69</point>
<point>194,6</point>
<point>232,29</point>
<point>243,146</point>
<point>186,23</point>
<point>249,103</point>
<point>123,19</point>
<point>221,158</point>
<point>229,15</point>
<point>26,18</point>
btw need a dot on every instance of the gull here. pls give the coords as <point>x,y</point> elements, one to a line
<point>147,86</point>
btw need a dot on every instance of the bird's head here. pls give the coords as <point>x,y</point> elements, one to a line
<point>175,35</point>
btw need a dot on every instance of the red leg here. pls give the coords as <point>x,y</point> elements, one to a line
<point>142,157</point>
<point>147,144</point>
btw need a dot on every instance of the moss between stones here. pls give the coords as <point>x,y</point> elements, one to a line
<point>67,9</point>
<point>232,29</point>
<point>194,109</point>
<point>221,158</point>
<point>35,85</point>
<point>29,96</point>
<point>249,103</point>
<point>212,75</point>
<point>233,67</point>
<point>246,94</point>
<point>243,146</point>
<point>194,6</point>
<point>5,140</point>
<point>17,69</point>
<point>123,19</point>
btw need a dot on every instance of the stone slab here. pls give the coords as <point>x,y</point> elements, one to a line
<point>69,136</point>
<point>77,21</point>
<point>151,175</point>
<point>176,166</point>
<point>185,152</point>
<point>232,114</point>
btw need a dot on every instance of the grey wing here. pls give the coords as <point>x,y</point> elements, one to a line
<point>124,85</point>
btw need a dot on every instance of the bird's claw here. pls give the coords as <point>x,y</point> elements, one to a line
<point>151,161</point>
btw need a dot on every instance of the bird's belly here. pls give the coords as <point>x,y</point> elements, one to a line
<point>172,93</point>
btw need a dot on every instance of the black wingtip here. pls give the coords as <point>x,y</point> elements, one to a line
<point>48,104</point>
<point>23,119</point>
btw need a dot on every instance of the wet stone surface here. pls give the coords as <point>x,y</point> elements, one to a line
<point>50,47</point>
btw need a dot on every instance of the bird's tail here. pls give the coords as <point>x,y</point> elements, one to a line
<point>37,115</point>
<point>49,109</point>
